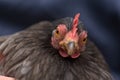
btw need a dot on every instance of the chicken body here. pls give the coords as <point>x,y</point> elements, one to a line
<point>28,55</point>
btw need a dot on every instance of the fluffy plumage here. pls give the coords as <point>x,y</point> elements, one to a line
<point>28,55</point>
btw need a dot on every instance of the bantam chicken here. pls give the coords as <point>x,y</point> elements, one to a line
<point>58,50</point>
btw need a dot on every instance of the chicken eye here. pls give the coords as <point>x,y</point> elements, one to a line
<point>57,32</point>
<point>84,40</point>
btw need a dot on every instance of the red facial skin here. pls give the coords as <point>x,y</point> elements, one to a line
<point>56,38</point>
<point>70,38</point>
<point>79,44</point>
<point>69,43</point>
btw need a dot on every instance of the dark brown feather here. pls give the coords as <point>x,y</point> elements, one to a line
<point>30,56</point>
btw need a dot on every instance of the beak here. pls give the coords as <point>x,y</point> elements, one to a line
<point>69,47</point>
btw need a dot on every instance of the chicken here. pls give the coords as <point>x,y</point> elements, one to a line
<point>58,50</point>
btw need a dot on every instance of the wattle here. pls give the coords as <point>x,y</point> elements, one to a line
<point>64,54</point>
<point>75,55</point>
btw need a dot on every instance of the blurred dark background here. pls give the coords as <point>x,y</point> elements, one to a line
<point>101,18</point>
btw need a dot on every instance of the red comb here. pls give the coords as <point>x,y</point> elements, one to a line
<point>75,23</point>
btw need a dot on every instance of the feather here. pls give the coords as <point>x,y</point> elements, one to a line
<point>30,56</point>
